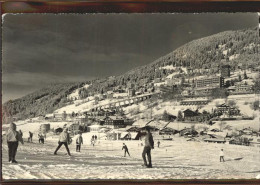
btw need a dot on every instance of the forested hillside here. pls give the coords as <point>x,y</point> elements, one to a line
<point>206,54</point>
<point>40,102</point>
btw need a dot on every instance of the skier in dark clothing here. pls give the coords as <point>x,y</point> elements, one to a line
<point>149,144</point>
<point>126,149</point>
<point>13,137</point>
<point>41,138</point>
<point>64,140</point>
<point>30,137</point>
<point>158,143</point>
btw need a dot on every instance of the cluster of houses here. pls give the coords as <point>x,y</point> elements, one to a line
<point>220,110</point>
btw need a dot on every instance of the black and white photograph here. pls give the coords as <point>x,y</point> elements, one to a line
<point>130,96</point>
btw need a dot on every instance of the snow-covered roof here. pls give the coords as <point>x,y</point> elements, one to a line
<point>141,122</point>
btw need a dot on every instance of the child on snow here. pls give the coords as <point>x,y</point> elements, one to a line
<point>79,141</point>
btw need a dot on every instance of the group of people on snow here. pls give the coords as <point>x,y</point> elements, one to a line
<point>14,137</point>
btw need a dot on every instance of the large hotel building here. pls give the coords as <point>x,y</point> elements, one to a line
<point>205,85</point>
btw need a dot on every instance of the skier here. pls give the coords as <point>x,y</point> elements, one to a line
<point>149,144</point>
<point>63,140</point>
<point>30,137</point>
<point>158,143</point>
<point>126,149</point>
<point>41,138</point>
<point>13,137</point>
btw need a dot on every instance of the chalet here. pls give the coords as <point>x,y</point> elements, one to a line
<point>114,122</point>
<point>188,131</point>
<point>223,108</point>
<point>168,131</point>
<point>133,129</point>
<point>152,128</point>
<point>190,115</point>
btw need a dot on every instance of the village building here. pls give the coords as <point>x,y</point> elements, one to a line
<point>225,71</point>
<point>195,102</point>
<point>188,132</point>
<point>205,85</point>
<point>226,109</point>
<point>190,115</point>
<point>114,122</point>
<point>241,88</point>
<point>81,119</point>
<point>168,131</point>
<point>131,92</point>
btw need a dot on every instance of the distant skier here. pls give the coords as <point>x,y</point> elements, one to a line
<point>64,140</point>
<point>13,137</point>
<point>79,141</point>
<point>149,144</point>
<point>95,137</point>
<point>41,138</point>
<point>92,142</point>
<point>21,134</point>
<point>221,155</point>
<point>126,149</point>
<point>30,137</point>
<point>158,143</point>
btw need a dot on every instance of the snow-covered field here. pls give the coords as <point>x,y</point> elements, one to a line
<point>177,159</point>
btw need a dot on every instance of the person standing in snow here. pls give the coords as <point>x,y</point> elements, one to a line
<point>126,149</point>
<point>41,138</point>
<point>13,137</point>
<point>221,155</point>
<point>92,141</point>
<point>79,141</point>
<point>63,140</point>
<point>158,143</point>
<point>149,144</point>
<point>21,134</point>
<point>30,137</point>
